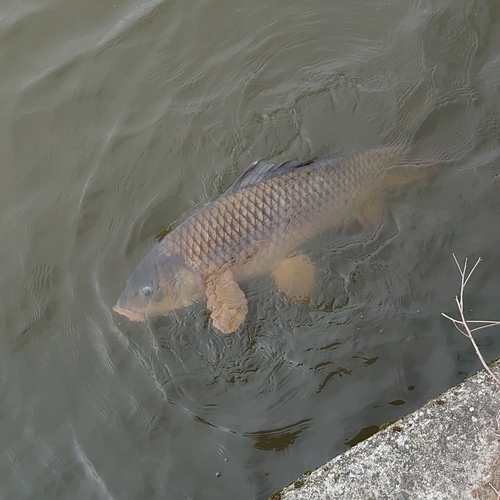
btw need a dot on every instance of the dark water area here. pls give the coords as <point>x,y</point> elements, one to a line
<point>119,118</point>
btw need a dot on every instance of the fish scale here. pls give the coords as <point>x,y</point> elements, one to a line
<point>268,217</point>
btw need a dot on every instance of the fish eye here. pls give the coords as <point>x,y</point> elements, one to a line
<point>147,292</point>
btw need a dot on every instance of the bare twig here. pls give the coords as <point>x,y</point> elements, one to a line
<point>495,490</point>
<point>461,324</point>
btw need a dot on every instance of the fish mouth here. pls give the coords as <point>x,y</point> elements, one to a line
<point>130,315</point>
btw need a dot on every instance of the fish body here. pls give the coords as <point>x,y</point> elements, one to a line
<point>257,226</point>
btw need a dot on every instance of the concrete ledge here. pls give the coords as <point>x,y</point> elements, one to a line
<point>449,448</point>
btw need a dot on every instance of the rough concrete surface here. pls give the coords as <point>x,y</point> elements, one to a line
<point>449,448</point>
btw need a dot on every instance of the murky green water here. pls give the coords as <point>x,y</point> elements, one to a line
<point>118,118</point>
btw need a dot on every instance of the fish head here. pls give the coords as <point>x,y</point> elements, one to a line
<point>160,284</point>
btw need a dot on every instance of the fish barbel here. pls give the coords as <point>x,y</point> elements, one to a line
<point>257,226</point>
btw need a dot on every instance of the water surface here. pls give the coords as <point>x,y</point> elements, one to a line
<point>121,117</point>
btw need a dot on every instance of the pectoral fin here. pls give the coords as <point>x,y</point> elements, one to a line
<point>226,302</point>
<point>295,277</point>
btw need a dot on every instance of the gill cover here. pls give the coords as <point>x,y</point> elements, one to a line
<point>160,284</point>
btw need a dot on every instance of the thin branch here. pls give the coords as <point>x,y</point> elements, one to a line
<point>457,321</point>
<point>484,326</point>
<point>462,325</point>
<point>495,490</point>
<point>483,321</point>
<point>472,270</point>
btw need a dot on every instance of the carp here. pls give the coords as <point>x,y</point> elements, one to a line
<point>259,225</point>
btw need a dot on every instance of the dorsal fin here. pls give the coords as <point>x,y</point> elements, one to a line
<point>261,169</point>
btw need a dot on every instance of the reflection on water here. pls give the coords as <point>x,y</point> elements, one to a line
<point>120,119</point>
<point>363,434</point>
<point>278,439</point>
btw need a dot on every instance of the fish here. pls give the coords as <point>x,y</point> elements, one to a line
<point>259,226</point>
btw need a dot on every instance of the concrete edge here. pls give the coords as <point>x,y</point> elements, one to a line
<point>449,448</point>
